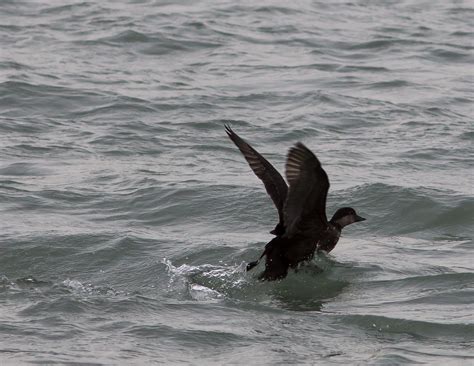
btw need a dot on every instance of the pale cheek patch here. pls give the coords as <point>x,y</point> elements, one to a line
<point>346,220</point>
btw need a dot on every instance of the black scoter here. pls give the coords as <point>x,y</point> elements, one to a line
<point>303,227</point>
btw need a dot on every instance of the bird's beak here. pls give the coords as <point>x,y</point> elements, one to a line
<point>359,218</point>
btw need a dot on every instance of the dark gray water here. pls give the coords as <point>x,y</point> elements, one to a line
<point>127,216</point>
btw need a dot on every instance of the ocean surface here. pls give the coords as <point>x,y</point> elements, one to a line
<point>127,216</point>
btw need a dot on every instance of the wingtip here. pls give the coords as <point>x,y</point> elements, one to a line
<point>300,145</point>
<point>296,150</point>
<point>300,149</point>
<point>228,130</point>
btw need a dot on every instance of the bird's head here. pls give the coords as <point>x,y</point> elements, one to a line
<point>346,216</point>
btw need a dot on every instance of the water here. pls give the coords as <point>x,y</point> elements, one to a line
<point>127,216</point>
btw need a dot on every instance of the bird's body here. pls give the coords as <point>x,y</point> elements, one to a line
<point>303,227</point>
<point>329,238</point>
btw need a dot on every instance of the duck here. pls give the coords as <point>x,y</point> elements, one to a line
<point>303,228</point>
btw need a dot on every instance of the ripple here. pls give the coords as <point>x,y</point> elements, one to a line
<point>375,44</point>
<point>390,84</point>
<point>422,329</point>
<point>24,169</point>
<point>444,55</point>
<point>14,65</point>
<point>154,43</point>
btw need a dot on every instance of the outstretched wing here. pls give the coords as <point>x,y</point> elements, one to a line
<point>305,207</point>
<point>273,181</point>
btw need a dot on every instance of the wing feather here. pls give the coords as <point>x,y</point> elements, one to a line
<point>305,207</point>
<point>273,181</point>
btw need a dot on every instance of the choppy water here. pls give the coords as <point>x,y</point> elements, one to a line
<point>127,216</point>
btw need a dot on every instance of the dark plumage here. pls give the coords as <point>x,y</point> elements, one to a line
<point>273,181</point>
<point>303,227</point>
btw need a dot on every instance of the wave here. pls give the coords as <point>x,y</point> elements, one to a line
<point>388,325</point>
<point>417,210</point>
<point>445,55</point>
<point>24,169</point>
<point>154,43</point>
<point>391,84</point>
<point>25,101</point>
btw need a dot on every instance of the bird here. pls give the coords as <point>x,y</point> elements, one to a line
<point>303,227</point>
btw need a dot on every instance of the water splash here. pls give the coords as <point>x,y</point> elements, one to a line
<point>5,283</point>
<point>78,287</point>
<point>205,282</point>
